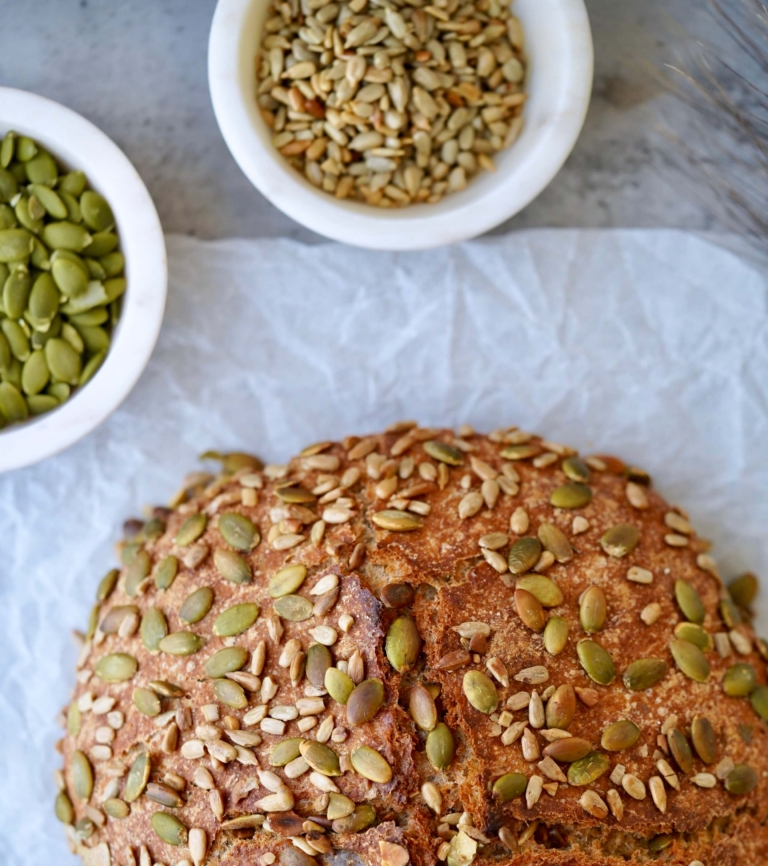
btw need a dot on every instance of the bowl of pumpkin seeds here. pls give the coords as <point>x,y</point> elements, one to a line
<point>82,277</point>
<point>400,124</point>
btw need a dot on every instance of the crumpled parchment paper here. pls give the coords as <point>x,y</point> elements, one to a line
<point>650,344</point>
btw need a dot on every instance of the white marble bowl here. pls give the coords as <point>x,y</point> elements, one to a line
<point>559,46</point>
<point>78,144</point>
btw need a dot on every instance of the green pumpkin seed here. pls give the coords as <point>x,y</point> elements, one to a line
<point>370,765</point>
<point>236,619</point>
<point>153,629</point>
<point>593,610</point>
<point>597,662</point>
<point>49,200</point>
<point>321,757</point>
<point>510,786</point>
<point>42,169</point>
<point>146,702</point>
<point>589,769</point>
<point>7,149</point>
<point>659,843</point>
<point>556,542</point>
<point>444,453</point>
<point>397,521</point>
<point>226,661</point>
<point>620,540</point>
<point>573,495</point>
<point>520,452</point>
<point>181,643</point>
<point>694,634</point>
<point>94,317</point>
<point>95,269</point>
<point>196,605</point>
<point>739,680</point>
<point>364,702</point>
<point>569,750</point>
<point>192,528</point>
<point>71,279</point>
<point>689,602</point>
<point>73,183</point>
<point>680,749</point>
<point>5,352</point>
<point>339,806</point>
<point>166,571</point>
<point>8,186</point>
<point>230,693</point>
<point>480,691</point>
<point>529,610</point>
<point>402,644</point>
<point>102,244</point>
<point>759,701</point>
<point>744,589</point>
<point>115,616</point>
<point>12,375</point>
<point>166,689</point>
<point>59,390</point>
<point>72,206</point>
<point>63,808</point>
<point>295,495</point>
<point>362,817</point>
<point>26,213</point>
<point>338,685</point>
<point>318,662</point>
<point>116,667</point>
<point>231,566</point>
<point>741,780</point>
<point>84,828</point>
<point>295,608</point>
<point>137,572</point>
<point>107,585</point>
<point>561,708</point>
<point>65,235</point>
<point>238,531</point>
<point>620,735</point>
<point>285,751</point>
<point>73,719</point>
<point>17,339</point>
<point>555,635</point>
<point>7,221</point>
<point>16,292</point>
<point>95,295</point>
<point>690,659</point>
<point>576,469</point>
<point>63,361</point>
<point>287,580</point>
<point>542,588</point>
<point>644,673</point>
<point>116,808</point>
<point>704,739</point>
<point>43,299</point>
<point>40,258</point>
<point>164,795</point>
<point>524,554</point>
<point>112,264</point>
<point>169,828</point>
<point>153,529</point>
<point>440,746</point>
<point>97,213</point>
<point>12,404</point>
<point>82,776</point>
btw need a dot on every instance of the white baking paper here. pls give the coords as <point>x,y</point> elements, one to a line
<point>651,345</point>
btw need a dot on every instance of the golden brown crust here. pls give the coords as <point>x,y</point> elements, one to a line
<point>454,583</point>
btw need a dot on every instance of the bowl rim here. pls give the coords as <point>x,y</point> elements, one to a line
<point>418,226</point>
<point>64,132</point>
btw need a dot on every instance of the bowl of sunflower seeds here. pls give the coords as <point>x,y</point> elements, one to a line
<point>400,124</point>
<point>82,277</point>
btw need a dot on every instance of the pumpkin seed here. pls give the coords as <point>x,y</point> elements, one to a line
<point>321,757</point>
<point>555,541</point>
<point>16,292</point>
<point>70,277</point>
<point>102,244</point>
<point>680,749</point>
<point>561,707</point>
<point>589,769</point>
<point>116,667</point>
<point>40,403</point>
<point>137,572</point>
<point>146,702</point>
<point>371,765</point>
<point>620,735</point>
<point>690,659</point>
<point>644,673</point>
<point>97,214</point>
<point>739,680</point>
<point>593,610</point>
<point>153,629</point>
<point>569,750</point>
<point>694,634</point>
<point>597,662</point>
<point>236,619</point>
<point>510,786</point>
<point>524,554</point>
<point>397,521</point>
<point>43,299</point>
<point>480,691</point>
<point>285,751</point>
<point>116,808</point>
<point>166,689</point>
<point>169,828</point>
<point>7,149</point>
<point>231,566</point>
<point>164,795</point>
<point>659,843</point>
<point>15,244</point>
<point>287,580</point>
<point>230,693</point>
<point>730,614</point>
<point>196,605</point>
<point>520,452</point>
<point>741,780</point>
<point>704,739</point>
<point>362,817</point>
<point>402,644</point>
<point>296,608</point>
<point>576,469</point>
<point>42,168</point>
<point>17,340</point>
<point>529,610</point>
<point>12,404</point>
<point>542,588</point>
<point>166,571</point>
<point>759,701</point>
<point>63,808</point>
<point>238,531</point>
<point>440,746</point>
<point>620,540</point>
<point>689,601</point>
<point>49,200</point>
<point>112,264</point>
<point>422,707</point>
<point>318,662</point>
<point>444,453</point>
<point>226,661</point>
<point>82,776</point>
<point>397,595</point>
<point>192,528</point>
<point>65,235</point>
<point>572,495</point>
<point>181,643</point>
<point>339,806</point>
<point>555,635</point>
<point>107,585</point>
<point>73,719</point>
<point>364,702</point>
<point>72,206</point>
<point>743,589</point>
<point>294,494</point>
<point>338,685</point>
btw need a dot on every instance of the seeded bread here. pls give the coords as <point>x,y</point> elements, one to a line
<point>539,661</point>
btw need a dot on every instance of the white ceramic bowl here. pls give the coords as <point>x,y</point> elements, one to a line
<point>559,46</point>
<point>77,143</point>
